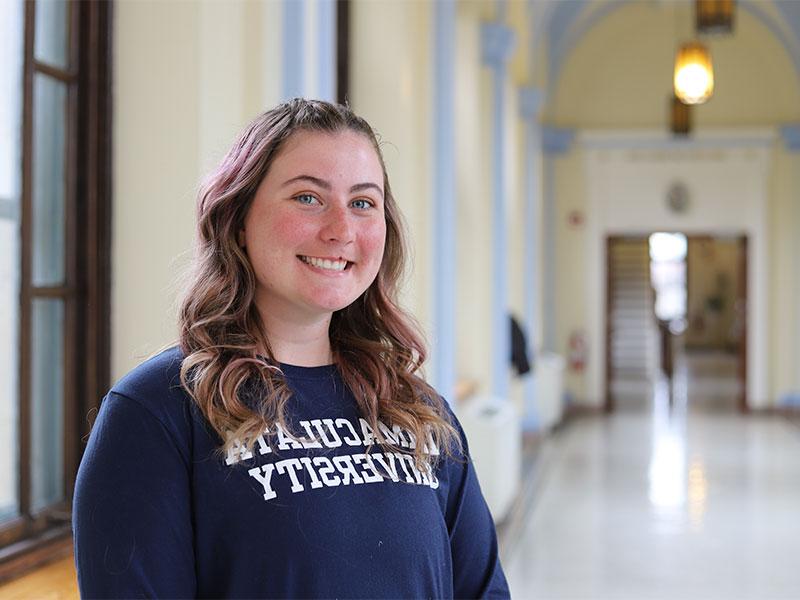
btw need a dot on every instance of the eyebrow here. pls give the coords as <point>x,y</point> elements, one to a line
<point>359,187</point>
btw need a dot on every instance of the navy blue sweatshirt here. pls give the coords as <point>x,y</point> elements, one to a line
<point>320,511</point>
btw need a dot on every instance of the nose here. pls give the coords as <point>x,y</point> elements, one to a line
<point>338,226</point>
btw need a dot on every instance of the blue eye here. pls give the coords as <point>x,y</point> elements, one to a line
<point>361,203</point>
<point>305,199</point>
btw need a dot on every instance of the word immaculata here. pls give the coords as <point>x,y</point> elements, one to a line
<point>335,470</point>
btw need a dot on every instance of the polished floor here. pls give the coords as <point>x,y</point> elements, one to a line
<point>681,500</point>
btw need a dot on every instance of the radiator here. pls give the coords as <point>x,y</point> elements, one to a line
<point>494,432</point>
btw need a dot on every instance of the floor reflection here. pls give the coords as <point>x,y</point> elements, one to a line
<point>676,495</point>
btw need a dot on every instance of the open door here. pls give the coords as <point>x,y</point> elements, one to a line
<point>717,309</point>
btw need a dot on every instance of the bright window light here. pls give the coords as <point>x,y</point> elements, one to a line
<point>668,274</point>
<point>667,247</point>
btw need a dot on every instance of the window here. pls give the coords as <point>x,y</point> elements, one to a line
<point>668,274</point>
<point>54,225</point>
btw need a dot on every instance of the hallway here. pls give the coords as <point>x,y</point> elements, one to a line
<point>693,501</point>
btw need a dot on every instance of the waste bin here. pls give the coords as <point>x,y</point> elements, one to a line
<point>549,398</point>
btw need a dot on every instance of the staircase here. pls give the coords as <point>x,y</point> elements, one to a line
<point>633,331</point>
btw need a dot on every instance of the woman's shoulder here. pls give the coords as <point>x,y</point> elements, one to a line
<point>155,383</point>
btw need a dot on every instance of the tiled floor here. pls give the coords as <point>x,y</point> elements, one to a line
<point>693,501</point>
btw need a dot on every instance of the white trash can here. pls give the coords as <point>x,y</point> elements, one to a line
<point>549,389</point>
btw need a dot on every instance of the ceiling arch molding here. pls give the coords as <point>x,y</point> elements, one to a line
<point>568,22</point>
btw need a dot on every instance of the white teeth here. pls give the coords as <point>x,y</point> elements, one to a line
<point>324,263</point>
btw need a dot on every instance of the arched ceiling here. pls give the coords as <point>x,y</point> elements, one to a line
<point>608,62</point>
<point>562,24</point>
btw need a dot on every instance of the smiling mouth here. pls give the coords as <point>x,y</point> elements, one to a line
<point>326,263</point>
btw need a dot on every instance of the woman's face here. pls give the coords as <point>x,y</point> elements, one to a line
<point>315,230</point>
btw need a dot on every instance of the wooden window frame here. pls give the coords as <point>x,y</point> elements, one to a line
<point>343,51</point>
<point>32,539</point>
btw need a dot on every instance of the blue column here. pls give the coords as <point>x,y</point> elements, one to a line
<point>497,42</point>
<point>530,103</point>
<point>791,137</point>
<point>791,140</point>
<point>326,51</point>
<point>444,193</point>
<point>293,48</point>
<point>554,141</point>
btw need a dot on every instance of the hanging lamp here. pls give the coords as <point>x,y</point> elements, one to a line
<point>714,16</point>
<point>680,117</point>
<point>694,73</point>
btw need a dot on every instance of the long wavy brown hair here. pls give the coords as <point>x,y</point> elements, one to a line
<point>377,347</point>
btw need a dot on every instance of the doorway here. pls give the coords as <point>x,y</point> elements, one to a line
<point>676,302</point>
<point>715,339</point>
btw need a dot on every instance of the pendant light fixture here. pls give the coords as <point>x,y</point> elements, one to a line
<point>680,117</point>
<point>714,16</point>
<point>694,73</point>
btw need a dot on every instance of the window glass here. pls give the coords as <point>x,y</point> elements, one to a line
<point>9,400</point>
<point>668,274</point>
<point>51,35</point>
<point>11,63</point>
<point>47,402</point>
<point>49,129</point>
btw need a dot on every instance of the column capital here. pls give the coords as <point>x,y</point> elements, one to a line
<point>497,43</point>
<point>791,137</point>
<point>531,100</point>
<point>557,140</point>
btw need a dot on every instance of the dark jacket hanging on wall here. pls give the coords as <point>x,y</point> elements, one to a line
<point>519,348</point>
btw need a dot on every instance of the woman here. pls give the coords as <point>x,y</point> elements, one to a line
<point>287,446</point>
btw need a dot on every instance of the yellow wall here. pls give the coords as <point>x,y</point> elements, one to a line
<point>570,272</point>
<point>156,140</point>
<point>392,90</point>
<point>187,77</point>
<point>474,202</point>
<point>784,217</point>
